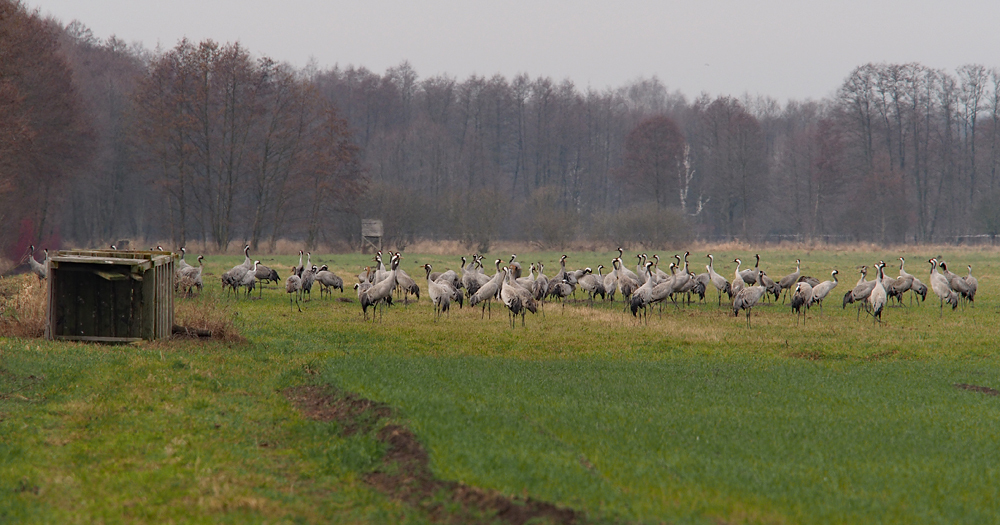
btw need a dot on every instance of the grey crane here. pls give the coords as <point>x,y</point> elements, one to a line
<point>973,285</point>
<point>626,283</point>
<point>181,264</point>
<point>300,267</point>
<point>718,281</point>
<point>293,285</point>
<point>955,282</point>
<point>439,293</point>
<point>234,276</point>
<point>517,299</point>
<point>625,272</point>
<point>640,268</point>
<point>265,273</point>
<point>488,291</point>
<point>821,290</point>
<point>190,277</point>
<point>249,278</point>
<point>328,281</point>
<point>940,286</point>
<point>878,296</point>
<point>515,267</point>
<point>541,285</point>
<point>611,281</point>
<point>407,285</point>
<point>788,281</point>
<point>750,275</point>
<point>380,293</point>
<point>801,300</point>
<point>738,283</point>
<point>643,295</point>
<point>918,288</point>
<point>593,284</point>
<point>558,278</point>
<point>747,298</point>
<point>450,281</point>
<point>308,277</point>
<point>37,268</point>
<point>470,277</point>
<point>862,291</point>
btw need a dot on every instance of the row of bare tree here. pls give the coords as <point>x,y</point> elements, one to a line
<point>100,140</point>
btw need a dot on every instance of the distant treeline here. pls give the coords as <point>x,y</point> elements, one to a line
<point>100,140</point>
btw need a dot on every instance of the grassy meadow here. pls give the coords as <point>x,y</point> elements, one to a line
<point>691,418</point>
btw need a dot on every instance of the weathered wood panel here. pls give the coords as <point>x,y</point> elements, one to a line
<point>102,295</point>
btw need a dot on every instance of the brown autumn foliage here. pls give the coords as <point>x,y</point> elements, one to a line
<point>42,137</point>
<point>654,152</point>
<point>239,146</point>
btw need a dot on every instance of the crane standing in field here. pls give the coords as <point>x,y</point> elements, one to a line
<point>787,282</point>
<point>973,285</point>
<point>190,277</point>
<point>877,298</point>
<point>41,269</point>
<point>439,294</point>
<point>381,291</point>
<point>821,290</point>
<point>328,281</point>
<point>940,286</point>
<point>234,276</point>
<point>801,300</point>
<point>719,282</point>
<point>293,285</point>
<point>749,297</point>
<point>517,299</point>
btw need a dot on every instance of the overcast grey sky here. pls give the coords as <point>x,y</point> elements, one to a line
<point>784,49</point>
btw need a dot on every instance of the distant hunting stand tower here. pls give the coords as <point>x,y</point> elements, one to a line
<point>371,234</point>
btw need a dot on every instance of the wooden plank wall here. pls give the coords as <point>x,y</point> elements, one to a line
<point>111,303</point>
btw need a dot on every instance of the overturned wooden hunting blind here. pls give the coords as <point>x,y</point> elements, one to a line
<point>110,296</point>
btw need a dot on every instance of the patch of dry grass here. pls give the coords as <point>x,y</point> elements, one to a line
<point>22,306</point>
<point>208,314</point>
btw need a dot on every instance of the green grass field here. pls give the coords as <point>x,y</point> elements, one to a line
<point>692,417</point>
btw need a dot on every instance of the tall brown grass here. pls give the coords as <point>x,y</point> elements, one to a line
<point>206,313</point>
<point>22,306</point>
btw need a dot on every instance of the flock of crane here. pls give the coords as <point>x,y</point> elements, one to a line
<point>640,290</point>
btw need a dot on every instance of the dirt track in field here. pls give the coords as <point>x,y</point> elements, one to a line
<point>403,473</point>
